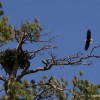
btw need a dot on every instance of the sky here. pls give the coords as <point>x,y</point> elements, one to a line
<point>69,18</point>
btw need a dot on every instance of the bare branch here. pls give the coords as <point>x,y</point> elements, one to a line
<point>94,49</point>
<point>3,78</point>
<point>32,54</point>
<point>77,59</point>
<point>21,42</point>
<point>34,71</point>
<point>2,90</point>
<point>51,39</point>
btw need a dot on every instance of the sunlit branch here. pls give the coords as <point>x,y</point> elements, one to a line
<point>3,78</point>
<point>32,54</point>
<point>21,42</point>
<point>77,59</point>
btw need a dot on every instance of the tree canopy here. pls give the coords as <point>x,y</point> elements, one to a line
<point>16,63</point>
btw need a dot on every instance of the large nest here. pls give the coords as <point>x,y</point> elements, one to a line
<point>9,57</point>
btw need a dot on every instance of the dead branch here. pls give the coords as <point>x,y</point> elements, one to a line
<point>77,59</point>
<point>3,78</point>
<point>34,71</point>
<point>51,39</point>
<point>21,42</point>
<point>2,90</point>
<point>98,46</point>
<point>33,53</point>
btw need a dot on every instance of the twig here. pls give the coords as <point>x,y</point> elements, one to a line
<point>49,63</point>
<point>32,54</point>
<point>94,49</point>
<point>3,78</point>
<point>77,59</point>
<point>2,90</point>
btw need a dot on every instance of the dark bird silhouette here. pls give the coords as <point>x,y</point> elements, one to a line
<point>88,40</point>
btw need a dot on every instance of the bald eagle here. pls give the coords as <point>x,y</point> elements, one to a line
<point>88,40</point>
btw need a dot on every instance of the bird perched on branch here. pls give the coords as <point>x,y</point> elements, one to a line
<point>88,40</point>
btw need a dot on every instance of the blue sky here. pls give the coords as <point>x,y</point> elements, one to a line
<point>70,17</point>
